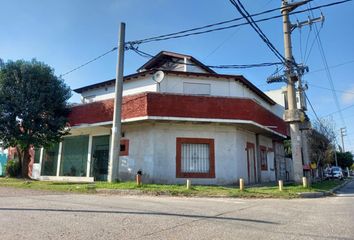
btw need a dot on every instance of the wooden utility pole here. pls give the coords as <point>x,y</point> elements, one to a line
<point>113,166</point>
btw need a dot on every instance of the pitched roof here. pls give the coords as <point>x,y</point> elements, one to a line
<point>165,56</point>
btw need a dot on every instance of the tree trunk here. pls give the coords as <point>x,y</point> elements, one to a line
<point>20,158</point>
<point>26,160</point>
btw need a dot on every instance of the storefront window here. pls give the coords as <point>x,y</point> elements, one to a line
<point>99,160</point>
<point>50,160</point>
<point>37,155</point>
<point>74,156</point>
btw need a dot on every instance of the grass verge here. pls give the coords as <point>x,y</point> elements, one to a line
<point>290,190</point>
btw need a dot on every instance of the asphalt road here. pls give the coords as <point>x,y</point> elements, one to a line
<point>347,190</point>
<point>27,214</point>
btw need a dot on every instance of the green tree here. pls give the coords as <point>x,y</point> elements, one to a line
<point>345,159</point>
<point>321,140</point>
<point>33,107</point>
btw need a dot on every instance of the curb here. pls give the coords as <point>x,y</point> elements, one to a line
<point>130,192</point>
<point>325,193</point>
<point>312,194</point>
<point>332,191</point>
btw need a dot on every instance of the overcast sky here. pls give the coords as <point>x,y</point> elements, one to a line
<point>67,33</point>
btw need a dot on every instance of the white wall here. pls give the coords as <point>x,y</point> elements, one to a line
<point>278,97</point>
<point>219,87</point>
<point>268,175</point>
<point>190,67</point>
<point>175,84</point>
<point>152,149</point>
<point>145,84</point>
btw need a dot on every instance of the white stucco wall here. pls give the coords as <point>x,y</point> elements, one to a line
<point>278,96</point>
<point>152,149</point>
<point>218,87</point>
<point>268,175</point>
<point>191,67</point>
<point>175,84</point>
<point>134,86</point>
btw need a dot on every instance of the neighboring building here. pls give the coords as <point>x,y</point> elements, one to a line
<point>280,97</point>
<point>180,120</point>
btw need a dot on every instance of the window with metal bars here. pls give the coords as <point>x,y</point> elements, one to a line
<point>195,158</point>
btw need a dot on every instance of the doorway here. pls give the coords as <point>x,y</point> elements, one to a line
<point>99,160</point>
<point>251,163</point>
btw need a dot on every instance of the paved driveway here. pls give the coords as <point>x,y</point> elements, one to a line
<point>26,214</point>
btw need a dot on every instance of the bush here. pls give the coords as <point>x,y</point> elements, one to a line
<point>12,168</point>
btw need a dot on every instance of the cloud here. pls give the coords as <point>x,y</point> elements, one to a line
<point>348,96</point>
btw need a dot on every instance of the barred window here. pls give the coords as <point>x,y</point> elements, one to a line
<point>195,158</point>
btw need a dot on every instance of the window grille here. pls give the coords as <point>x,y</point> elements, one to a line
<point>195,158</point>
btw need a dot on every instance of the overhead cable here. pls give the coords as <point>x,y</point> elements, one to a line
<point>190,32</point>
<point>245,14</point>
<point>234,66</point>
<point>86,63</point>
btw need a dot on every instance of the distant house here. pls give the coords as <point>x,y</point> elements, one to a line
<point>285,165</point>
<point>180,120</point>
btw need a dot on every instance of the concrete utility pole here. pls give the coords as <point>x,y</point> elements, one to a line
<point>343,132</point>
<point>113,166</point>
<point>292,115</point>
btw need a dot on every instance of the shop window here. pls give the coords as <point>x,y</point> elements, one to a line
<point>50,161</point>
<point>37,155</point>
<point>195,158</point>
<point>74,156</point>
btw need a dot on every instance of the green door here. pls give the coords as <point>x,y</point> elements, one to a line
<point>99,161</point>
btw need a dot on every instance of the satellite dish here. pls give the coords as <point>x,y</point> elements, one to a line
<point>158,76</point>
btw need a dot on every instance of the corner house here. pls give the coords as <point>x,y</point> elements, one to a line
<point>180,120</point>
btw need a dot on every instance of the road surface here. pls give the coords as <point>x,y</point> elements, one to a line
<point>28,214</point>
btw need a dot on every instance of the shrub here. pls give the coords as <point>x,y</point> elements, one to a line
<point>12,168</point>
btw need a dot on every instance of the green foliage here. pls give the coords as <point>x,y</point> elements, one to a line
<point>287,148</point>
<point>12,168</point>
<point>33,104</point>
<point>321,148</point>
<point>321,141</point>
<point>345,159</point>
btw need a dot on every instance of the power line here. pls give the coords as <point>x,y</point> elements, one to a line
<point>313,109</point>
<point>245,14</point>
<point>328,73</point>
<point>312,44</point>
<point>342,91</point>
<point>176,34</point>
<point>203,27</point>
<point>330,67</point>
<point>233,66</point>
<point>86,63</point>
<point>231,35</point>
<point>323,128</point>
<point>340,110</point>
